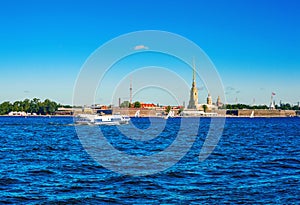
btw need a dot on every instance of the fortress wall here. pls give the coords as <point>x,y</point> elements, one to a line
<point>143,112</point>
<point>267,113</point>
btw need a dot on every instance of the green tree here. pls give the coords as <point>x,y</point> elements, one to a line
<point>48,107</point>
<point>125,104</point>
<point>137,104</point>
<point>41,108</point>
<point>5,108</point>
<point>243,106</point>
<point>26,105</point>
<point>168,108</point>
<point>17,106</point>
<point>34,107</point>
<point>52,108</point>
<point>205,108</point>
<point>286,106</point>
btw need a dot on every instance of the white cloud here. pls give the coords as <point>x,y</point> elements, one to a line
<point>140,47</point>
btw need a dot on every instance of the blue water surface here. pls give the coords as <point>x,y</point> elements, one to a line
<point>256,161</point>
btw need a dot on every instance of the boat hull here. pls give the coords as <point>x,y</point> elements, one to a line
<point>86,119</point>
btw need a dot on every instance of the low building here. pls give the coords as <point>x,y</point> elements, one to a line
<point>148,105</point>
<point>64,111</point>
<point>20,113</point>
<point>192,113</point>
<point>197,113</point>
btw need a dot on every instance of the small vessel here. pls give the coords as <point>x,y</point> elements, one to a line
<point>111,120</point>
<point>91,119</point>
<point>171,114</point>
<point>137,113</point>
<point>252,114</point>
<point>84,119</point>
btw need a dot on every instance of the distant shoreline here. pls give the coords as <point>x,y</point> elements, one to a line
<point>227,116</point>
<point>36,115</point>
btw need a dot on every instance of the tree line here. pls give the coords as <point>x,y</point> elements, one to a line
<point>282,106</point>
<point>47,107</point>
<point>127,104</point>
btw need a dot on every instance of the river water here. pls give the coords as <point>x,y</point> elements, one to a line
<point>42,161</point>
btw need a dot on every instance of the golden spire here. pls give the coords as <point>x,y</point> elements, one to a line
<point>194,70</point>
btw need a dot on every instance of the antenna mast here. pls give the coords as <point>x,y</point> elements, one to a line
<point>130,91</point>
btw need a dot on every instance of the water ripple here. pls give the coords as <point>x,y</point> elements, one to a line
<point>257,161</point>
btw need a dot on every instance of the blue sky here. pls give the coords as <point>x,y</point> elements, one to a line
<point>254,45</point>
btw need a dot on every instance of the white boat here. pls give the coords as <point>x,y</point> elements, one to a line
<point>252,114</point>
<point>89,119</point>
<point>111,120</point>
<point>171,114</point>
<point>84,119</point>
<point>137,114</point>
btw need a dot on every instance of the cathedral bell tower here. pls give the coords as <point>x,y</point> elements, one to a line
<point>193,103</point>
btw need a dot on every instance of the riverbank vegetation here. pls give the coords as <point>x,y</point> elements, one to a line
<point>46,107</point>
<point>282,106</point>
